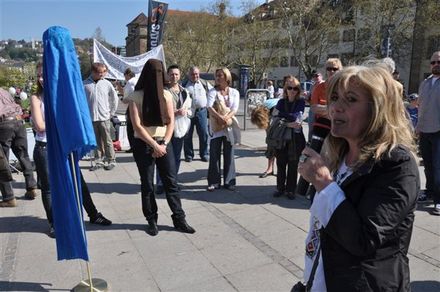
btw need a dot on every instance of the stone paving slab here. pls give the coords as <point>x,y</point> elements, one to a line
<point>246,240</point>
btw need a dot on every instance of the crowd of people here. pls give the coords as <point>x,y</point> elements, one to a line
<point>365,179</point>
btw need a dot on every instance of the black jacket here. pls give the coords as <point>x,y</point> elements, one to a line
<point>365,243</point>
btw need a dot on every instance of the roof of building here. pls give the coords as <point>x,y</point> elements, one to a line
<point>142,19</point>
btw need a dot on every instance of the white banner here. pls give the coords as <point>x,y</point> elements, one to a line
<point>116,64</point>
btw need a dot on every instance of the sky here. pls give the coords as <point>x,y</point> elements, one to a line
<point>28,19</point>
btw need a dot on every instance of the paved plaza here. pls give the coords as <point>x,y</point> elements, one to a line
<point>246,240</point>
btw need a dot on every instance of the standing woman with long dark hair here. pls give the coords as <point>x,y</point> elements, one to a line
<point>152,116</point>
<point>41,163</point>
<point>223,102</point>
<point>290,109</point>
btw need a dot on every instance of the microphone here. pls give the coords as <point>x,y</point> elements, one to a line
<point>321,128</point>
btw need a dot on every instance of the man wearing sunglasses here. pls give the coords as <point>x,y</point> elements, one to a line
<point>318,102</point>
<point>428,128</point>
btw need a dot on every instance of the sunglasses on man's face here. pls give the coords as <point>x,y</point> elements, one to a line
<point>435,62</point>
<point>332,69</point>
<point>292,88</point>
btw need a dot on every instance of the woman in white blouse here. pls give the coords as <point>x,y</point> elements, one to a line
<point>223,102</point>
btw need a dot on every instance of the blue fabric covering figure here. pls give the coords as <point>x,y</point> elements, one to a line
<point>69,131</point>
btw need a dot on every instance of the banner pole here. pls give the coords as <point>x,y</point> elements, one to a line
<point>90,284</point>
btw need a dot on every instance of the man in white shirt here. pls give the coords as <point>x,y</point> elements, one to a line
<point>103,102</point>
<point>198,89</point>
<point>428,127</point>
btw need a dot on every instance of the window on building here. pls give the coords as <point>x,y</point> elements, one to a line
<point>348,35</point>
<point>293,62</point>
<point>284,62</point>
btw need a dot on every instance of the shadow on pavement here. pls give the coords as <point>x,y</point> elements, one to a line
<point>425,286</point>
<point>18,224</point>
<point>23,224</point>
<point>250,195</point>
<point>119,188</point>
<point>26,286</point>
<point>240,152</point>
<point>426,206</point>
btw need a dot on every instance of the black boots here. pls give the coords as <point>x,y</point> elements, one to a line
<point>152,227</point>
<point>181,225</point>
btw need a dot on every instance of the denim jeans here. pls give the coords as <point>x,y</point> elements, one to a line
<point>13,136</point>
<point>41,165</point>
<point>200,121</point>
<point>430,149</point>
<point>167,170</point>
<point>214,162</point>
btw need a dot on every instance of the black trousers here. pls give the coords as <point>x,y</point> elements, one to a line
<point>13,136</point>
<point>40,159</point>
<point>287,163</point>
<point>167,170</point>
<point>215,151</point>
<point>130,130</point>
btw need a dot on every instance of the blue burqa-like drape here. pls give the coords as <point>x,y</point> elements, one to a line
<point>69,131</point>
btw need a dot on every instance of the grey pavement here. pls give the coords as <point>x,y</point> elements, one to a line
<point>246,240</point>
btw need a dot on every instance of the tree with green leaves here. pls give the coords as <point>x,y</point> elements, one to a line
<point>12,77</point>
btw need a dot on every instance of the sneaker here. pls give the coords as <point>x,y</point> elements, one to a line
<point>212,188</point>
<point>97,166</point>
<point>188,159</point>
<point>31,194</point>
<point>9,204</point>
<point>205,159</point>
<point>436,210</point>
<point>129,150</point>
<point>110,166</point>
<point>100,220</point>
<point>423,196</point>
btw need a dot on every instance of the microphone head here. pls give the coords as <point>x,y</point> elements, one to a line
<point>321,127</point>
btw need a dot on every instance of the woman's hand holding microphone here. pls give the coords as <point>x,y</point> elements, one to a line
<point>313,169</point>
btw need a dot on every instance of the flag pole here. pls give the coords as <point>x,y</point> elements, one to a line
<point>90,284</point>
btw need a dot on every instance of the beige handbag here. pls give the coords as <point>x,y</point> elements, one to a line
<point>220,107</point>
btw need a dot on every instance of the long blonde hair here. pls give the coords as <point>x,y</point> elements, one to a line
<point>388,125</point>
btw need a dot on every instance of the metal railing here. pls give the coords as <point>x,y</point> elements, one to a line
<point>253,98</point>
